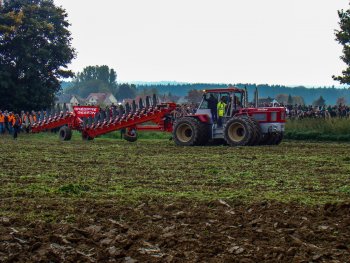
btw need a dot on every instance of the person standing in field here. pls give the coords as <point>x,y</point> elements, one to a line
<point>25,122</point>
<point>16,124</point>
<point>10,118</point>
<point>6,123</point>
<point>2,123</point>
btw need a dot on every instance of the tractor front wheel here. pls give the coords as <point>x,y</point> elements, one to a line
<point>238,132</point>
<point>65,133</point>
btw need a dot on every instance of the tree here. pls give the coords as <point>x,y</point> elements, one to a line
<point>126,91</point>
<point>194,96</point>
<point>290,100</point>
<point>94,79</point>
<point>298,100</point>
<point>319,102</point>
<point>341,101</point>
<point>173,98</point>
<point>146,92</point>
<point>343,37</point>
<point>35,49</point>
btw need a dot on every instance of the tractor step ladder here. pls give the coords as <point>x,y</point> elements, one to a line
<point>217,132</point>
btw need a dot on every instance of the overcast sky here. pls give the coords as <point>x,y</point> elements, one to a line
<point>288,42</point>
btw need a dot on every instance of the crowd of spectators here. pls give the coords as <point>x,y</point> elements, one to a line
<point>12,123</point>
<point>310,111</point>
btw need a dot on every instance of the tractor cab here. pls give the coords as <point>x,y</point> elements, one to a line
<point>233,98</point>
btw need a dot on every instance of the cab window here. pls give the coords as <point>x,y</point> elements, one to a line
<point>206,98</point>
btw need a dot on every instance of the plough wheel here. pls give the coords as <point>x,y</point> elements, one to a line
<point>65,133</point>
<point>130,136</point>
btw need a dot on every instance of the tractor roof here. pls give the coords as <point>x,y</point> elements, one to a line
<point>231,89</point>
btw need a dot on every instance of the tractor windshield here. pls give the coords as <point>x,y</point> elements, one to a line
<point>231,99</point>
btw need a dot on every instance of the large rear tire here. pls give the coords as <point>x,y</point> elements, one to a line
<point>189,131</point>
<point>65,133</point>
<point>238,132</point>
<point>258,131</point>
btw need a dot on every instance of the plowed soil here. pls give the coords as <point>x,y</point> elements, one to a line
<point>183,232</point>
<point>108,201</point>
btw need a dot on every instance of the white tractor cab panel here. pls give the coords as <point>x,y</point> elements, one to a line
<point>208,105</point>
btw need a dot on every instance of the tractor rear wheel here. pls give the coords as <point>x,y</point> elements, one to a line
<point>189,131</point>
<point>238,132</point>
<point>65,133</point>
<point>256,129</point>
<point>258,132</point>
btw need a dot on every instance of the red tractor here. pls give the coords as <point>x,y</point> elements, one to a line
<point>239,125</point>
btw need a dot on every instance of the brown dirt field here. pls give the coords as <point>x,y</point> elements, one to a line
<point>150,201</point>
<point>183,231</point>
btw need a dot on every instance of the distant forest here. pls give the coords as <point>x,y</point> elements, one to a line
<point>330,94</point>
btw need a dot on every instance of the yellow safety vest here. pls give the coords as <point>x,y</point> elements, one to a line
<point>221,108</point>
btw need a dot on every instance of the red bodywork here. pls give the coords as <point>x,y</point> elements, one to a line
<point>224,90</point>
<point>280,115</point>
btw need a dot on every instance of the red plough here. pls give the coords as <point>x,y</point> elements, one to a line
<point>159,116</point>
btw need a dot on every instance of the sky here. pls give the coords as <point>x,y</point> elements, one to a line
<point>223,41</point>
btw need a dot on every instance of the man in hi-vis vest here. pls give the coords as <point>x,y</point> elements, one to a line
<point>221,111</point>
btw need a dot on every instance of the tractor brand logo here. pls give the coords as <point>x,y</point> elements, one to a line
<point>87,111</point>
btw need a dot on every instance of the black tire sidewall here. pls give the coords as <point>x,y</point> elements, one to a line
<point>65,133</point>
<point>130,138</point>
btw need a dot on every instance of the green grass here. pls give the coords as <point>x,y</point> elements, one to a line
<point>141,135</point>
<point>318,129</point>
<point>43,178</point>
<point>38,166</point>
